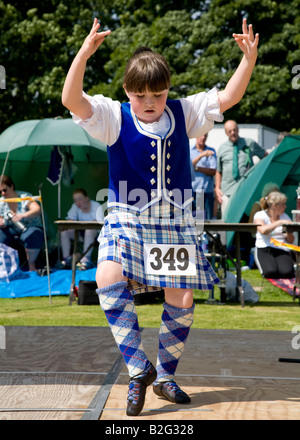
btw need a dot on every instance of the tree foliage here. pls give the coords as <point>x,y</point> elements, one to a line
<point>40,39</point>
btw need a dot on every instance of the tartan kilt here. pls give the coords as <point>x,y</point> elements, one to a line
<point>121,240</point>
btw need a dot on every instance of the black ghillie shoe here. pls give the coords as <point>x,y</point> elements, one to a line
<point>171,391</point>
<point>137,390</point>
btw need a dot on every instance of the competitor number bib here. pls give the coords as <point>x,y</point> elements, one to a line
<point>165,259</point>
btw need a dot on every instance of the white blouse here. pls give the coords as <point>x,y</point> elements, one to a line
<point>263,240</point>
<point>200,111</point>
<point>95,213</point>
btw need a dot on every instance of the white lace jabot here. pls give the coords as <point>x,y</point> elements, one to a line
<point>160,127</point>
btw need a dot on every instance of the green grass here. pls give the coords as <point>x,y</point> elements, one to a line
<point>276,310</point>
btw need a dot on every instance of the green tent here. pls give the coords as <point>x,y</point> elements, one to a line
<point>281,166</point>
<point>25,151</point>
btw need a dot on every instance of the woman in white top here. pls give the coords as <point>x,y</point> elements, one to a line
<point>83,209</point>
<point>275,262</point>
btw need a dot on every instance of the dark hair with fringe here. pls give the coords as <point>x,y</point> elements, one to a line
<point>80,191</point>
<point>147,71</point>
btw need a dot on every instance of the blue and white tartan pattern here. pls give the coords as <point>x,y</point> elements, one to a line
<point>173,333</point>
<point>9,263</point>
<point>117,303</point>
<point>122,238</point>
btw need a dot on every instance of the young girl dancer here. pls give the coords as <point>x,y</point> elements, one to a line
<point>149,238</point>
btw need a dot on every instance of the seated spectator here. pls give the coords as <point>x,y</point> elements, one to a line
<point>83,209</point>
<point>26,212</point>
<point>258,205</point>
<point>275,262</point>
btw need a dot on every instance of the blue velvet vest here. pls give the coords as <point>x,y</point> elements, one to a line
<point>145,168</point>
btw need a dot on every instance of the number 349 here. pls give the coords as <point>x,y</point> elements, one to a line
<point>180,261</point>
<point>161,259</point>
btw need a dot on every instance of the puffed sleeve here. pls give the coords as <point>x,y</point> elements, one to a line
<point>201,111</point>
<point>105,123</point>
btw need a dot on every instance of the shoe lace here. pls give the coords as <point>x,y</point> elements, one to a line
<point>133,391</point>
<point>172,387</point>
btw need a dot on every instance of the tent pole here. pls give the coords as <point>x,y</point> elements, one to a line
<point>58,216</point>
<point>46,245</point>
<point>59,200</point>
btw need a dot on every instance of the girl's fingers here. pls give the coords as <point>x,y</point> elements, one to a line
<point>244,26</point>
<point>247,32</point>
<point>95,38</point>
<point>95,27</point>
<point>94,31</point>
<point>251,36</point>
<point>102,34</point>
<point>96,23</point>
<point>244,37</point>
<point>240,36</point>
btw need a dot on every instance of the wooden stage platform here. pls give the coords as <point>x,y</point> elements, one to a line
<point>76,373</point>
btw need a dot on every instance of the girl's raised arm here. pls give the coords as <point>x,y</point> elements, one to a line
<point>239,81</point>
<point>72,91</point>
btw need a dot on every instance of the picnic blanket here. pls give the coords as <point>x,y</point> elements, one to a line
<point>31,284</point>
<point>285,284</point>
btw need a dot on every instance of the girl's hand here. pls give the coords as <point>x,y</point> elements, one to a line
<point>246,41</point>
<point>93,40</point>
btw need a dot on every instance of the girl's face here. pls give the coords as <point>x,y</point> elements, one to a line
<point>148,106</point>
<point>280,208</point>
<point>81,201</point>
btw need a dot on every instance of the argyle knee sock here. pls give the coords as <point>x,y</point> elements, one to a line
<point>174,330</point>
<point>118,305</point>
